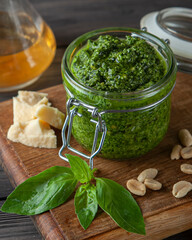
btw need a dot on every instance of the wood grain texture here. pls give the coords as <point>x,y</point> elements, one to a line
<point>5,186</point>
<point>71,18</point>
<point>164,215</point>
<point>19,225</point>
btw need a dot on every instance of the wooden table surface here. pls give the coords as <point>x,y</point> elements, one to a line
<point>68,19</point>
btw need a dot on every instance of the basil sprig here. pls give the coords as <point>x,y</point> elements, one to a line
<point>54,186</point>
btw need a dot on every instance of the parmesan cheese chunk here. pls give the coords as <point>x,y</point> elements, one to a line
<point>25,105</point>
<point>50,115</point>
<point>34,133</point>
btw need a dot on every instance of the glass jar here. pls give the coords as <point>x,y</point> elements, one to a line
<point>136,121</point>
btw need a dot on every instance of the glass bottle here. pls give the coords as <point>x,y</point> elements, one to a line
<point>27,45</point>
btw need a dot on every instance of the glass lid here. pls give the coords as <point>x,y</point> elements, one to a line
<point>175,26</point>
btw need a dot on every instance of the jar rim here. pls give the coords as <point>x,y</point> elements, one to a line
<point>70,52</point>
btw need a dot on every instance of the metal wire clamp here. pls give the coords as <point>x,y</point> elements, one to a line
<point>66,135</point>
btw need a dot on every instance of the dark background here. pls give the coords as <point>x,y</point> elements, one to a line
<point>68,19</point>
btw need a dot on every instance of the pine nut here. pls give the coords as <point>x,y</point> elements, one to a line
<point>176,152</point>
<point>136,187</point>
<point>186,152</point>
<point>147,173</point>
<point>181,188</point>
<point>186,168</point>
<point>185,137</point>
<point>152,184</point>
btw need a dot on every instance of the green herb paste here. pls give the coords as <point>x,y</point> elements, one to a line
<point>120,65</point>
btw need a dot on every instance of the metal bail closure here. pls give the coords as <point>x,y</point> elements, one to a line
<point>66,135</point>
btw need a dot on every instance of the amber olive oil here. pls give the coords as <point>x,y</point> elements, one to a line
<point>26,50</point>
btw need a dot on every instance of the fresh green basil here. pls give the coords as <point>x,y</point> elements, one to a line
<point>115,200</point>
<point>86,204</point>
<point>53,187</point>
<point>42,192</point>
<point>80,168</point>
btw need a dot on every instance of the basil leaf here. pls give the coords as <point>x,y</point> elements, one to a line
<point>115,200</point>
<point>86,204</point>
<point>42,192</point>
<point>80,168</point>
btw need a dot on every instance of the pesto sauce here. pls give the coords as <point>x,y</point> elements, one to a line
<point>118,65</point>
<point>128,135</point>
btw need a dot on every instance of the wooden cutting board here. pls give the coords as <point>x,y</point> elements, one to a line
<point>164,215</point>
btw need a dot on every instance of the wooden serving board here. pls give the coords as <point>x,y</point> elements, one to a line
<point>164,215</point>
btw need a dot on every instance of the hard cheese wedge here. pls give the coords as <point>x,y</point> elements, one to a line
<point>50,115</point>
<point>35,133</point>
<point>25,105</point>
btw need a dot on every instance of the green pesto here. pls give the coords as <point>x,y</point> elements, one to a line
<point>128,134</point>
<point>118,65</point>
